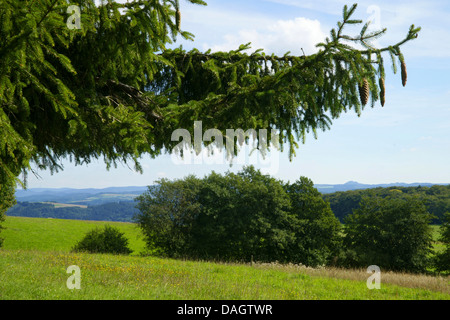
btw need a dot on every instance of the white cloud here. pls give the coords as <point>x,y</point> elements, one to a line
<point>397,17</point>
<point>409,150</point>
<point>161,174</point>
<point>278,37</point>
<point>330,7</point>
<point>99,2</point>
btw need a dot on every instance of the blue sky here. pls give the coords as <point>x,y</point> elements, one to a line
<point>406,141</point>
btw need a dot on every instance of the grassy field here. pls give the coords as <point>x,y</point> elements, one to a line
<point>437,245</point>
<point>66,205</point>
<point>58,234</point>
<point>36,255</point>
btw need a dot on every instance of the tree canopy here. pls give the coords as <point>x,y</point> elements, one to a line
<point>113,89</point>
<point>436,199</point>
<point>392,233</point>
<point>239,217</point>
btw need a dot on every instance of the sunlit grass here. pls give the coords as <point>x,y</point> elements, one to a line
<point>59,234</point>
<point>42,275</point>
<point>36,255</point>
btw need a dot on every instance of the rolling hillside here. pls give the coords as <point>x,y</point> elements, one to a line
<point>117,203</point>
<point>80,196</point>
<point>36,255</point>
<point>115,194</point>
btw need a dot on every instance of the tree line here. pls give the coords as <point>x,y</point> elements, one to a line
<point>436,199</point>
<point>342,203</point>
<point>249,216</point>
<point>114,211</point>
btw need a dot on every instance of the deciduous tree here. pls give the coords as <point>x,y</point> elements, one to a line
<point>239,217</point>
<point>392,233</point>
<point>317,229</point>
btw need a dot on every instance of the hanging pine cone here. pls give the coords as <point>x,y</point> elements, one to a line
<point>382,92</point>
<point>404,73</point>
<point>364,92</point>
<point>178,19</point>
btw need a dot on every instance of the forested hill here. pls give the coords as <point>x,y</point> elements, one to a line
<point>117,204</point>
<point>114,211</point>
<point>353,185</point>
<point>114,194</point>
<point>436,197</point>
<point>80,196</point>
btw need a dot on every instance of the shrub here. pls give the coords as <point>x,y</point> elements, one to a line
<point>443,258</point>
<point>106,240</point>
<point>391,233</point>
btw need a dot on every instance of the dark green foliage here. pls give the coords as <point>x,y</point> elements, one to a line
<point>167,213</point>
<point>114,211</point>
<point>7,200</point>
<point>443,258</point>
<point>391,233</point>
<point>244,215</point>
<point>436,198</point>
<point>239,217</point>
<point>318,239</point>
<point>36,210</point>
<point>106,240</point>
<point>343,203</point>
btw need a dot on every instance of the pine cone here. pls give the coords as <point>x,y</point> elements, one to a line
<point>404,73</point>
<point>382,92</point>
<point>364,92</point>
<point>178,20</point>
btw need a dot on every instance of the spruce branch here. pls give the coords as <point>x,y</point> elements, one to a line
<point>117,89</point>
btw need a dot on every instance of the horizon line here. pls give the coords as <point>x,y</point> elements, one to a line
<point>315,184</point>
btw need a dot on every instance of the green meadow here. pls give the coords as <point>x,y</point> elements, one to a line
<point>37,252</point>
<point>58,234</point>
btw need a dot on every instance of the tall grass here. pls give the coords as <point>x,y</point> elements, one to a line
<point>403,279</point>
<point>36,255</point>
<point>30,274</point>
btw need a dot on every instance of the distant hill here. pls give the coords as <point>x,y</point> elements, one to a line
<point>80,196</point>
<point>353,185</point>
<point>93,196</point>
<point>113,211</point>
<point>117,203</point>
